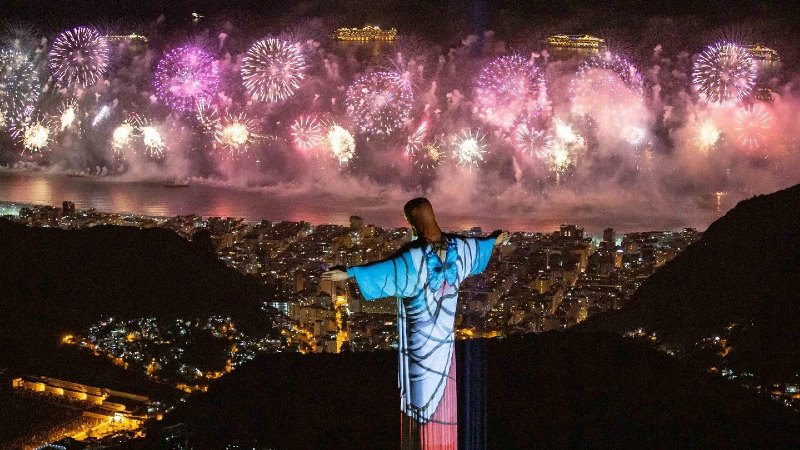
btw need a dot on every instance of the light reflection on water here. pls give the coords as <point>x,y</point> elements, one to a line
<point>153,198</point>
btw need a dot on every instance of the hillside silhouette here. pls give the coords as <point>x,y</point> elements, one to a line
<point>741,279</point>
<point>541,391</point>
<point>55,281</point>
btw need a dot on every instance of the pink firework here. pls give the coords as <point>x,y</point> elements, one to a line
<point>530,136</point>
<point>506,88</point>
<point>379,103</point>
<point>416,140</point>
<point>185,77</point>
<point>752,125</point>
<point>308,132</point>
<point>608,89</point>
<point>610,71</point>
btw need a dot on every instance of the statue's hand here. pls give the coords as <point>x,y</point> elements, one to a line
<point>501,238</point>
<point>334,275</point>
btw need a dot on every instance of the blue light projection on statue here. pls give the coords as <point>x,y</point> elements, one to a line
<point>427,290</point>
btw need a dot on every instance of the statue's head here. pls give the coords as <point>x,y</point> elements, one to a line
<point>419,214</point>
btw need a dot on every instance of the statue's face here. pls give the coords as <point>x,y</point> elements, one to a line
<point>414,232</point>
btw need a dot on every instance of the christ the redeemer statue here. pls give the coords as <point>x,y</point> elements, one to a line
<point>425,275</point>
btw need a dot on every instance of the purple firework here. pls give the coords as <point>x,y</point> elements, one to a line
<point>185,77</point>
<point>506,88</point>
<point>724,73</point>
<point>79,57</point>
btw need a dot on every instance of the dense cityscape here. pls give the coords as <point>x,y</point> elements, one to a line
<point>539,282</point>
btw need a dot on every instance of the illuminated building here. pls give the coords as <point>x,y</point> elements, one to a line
<point>342,322</point>
<point>618,259</point>
<point>133,42</point>
<point>367,33</point>
<point>121,410</point>
<point>67,208</point>
<point>764,94</point>
<point>571,231</point>
<point>762,53</point>
<point>126,38</point>
<point>175,437</point>
<point>383,306</point>
<point>767,61</point>
<point>356,223</point>
<point>608,235</point>
<point>299,282</point>
<point>576,41</point>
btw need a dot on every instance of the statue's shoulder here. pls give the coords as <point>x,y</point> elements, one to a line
<point>415,245</point>
<point>453,237</point>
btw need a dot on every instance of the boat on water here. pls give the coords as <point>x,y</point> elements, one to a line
<point>176,183</point>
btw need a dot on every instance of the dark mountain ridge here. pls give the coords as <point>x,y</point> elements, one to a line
<point>742,278</point>
<point>553,390</point>
<point>54,281</point>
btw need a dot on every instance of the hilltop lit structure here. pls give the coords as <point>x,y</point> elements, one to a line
<point>116,411</point>
<point>576,41</point>
<point>762,53</point>
<point>367,33</point>
<point>763,94</point>
<point>133,37</point>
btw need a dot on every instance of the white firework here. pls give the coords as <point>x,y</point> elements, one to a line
<point>341,143</point>
<point>272,69</point>
<point>470,148</point>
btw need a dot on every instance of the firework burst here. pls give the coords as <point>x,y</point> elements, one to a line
<point>79,57</point>
<point>608,89</point>
<point>613,69</point>
<point>562,148</point>
<point>341,144</point>
<point>634,135</point>
<point>724,73</point>
<point>528,139</point>
<point>469,148</point>
<point>416,140</point>
<point>752,125</point>
<point>379,103</point>
<point>19,86</point>
<point>138,134</point>
<point>707,135</point>
<point>234,134</point>
<point>272,69</point>
<point>530,134</point>
<point>154,146</point>
<point>308,132</point>
<point>430,155</point>
<point>35,135</point>
<point>558,157</point>
<point>506,88</point>
<point>186,77</point>
<point>68,115</point>
<point>121,138</point>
